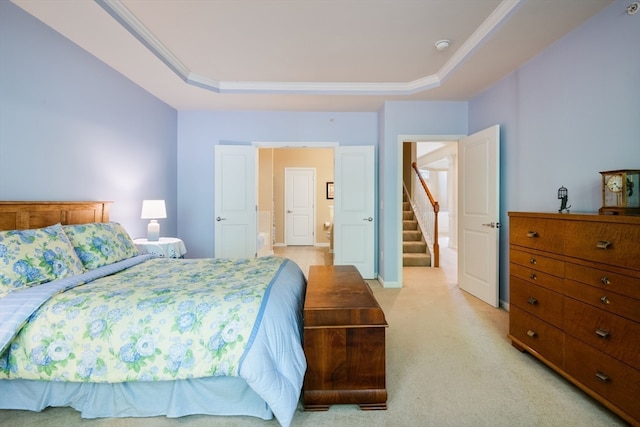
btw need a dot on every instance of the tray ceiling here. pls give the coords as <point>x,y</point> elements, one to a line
<point>311,55</point>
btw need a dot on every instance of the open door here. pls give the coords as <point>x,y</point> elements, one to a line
<point>235,201</point>
<point>354,219</point>
<point>478,214</point>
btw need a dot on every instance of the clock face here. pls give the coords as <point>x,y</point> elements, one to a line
<point>615,183</point>
<point>621,192</point>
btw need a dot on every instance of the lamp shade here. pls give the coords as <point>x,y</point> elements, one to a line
<point>153,209</point>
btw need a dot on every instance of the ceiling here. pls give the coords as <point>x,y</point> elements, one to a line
<point>312,55</point>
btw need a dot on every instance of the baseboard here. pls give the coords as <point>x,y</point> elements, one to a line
<point>389,285</point>
<point>316,244</point>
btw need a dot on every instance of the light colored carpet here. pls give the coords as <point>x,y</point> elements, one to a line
<point>449,363</point>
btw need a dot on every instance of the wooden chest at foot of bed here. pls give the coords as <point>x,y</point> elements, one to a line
<point>344,341</point>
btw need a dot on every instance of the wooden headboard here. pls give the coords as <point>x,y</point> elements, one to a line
<point>25,215</point>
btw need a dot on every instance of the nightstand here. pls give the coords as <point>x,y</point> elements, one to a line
<point>166,247</point>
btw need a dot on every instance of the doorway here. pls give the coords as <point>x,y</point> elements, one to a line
<point>477,210</point>
<point>436,159</point>
<point>273,161</point>
<point>354,213</point>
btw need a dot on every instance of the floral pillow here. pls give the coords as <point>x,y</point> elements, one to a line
<point>32,257</point>
<point>100,243</point>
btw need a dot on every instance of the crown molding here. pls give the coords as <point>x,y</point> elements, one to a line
<point>120,13</point>
<point>310,88</point>
<point>499,16</point>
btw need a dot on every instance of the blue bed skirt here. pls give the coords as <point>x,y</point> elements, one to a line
<point>208,396</point>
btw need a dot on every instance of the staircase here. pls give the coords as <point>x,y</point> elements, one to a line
<point>414,248</point>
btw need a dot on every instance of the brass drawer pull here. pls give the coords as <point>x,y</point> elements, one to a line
<point>602,244</point>
<point>533,276</point>
<point>602,377</point>
<point>531,333</point>
<point>602,333</point>
<point>533,261</point>
<point>532,234</point>
<point>532,301</point>
<point>605,300</point>
<point>605,280</point>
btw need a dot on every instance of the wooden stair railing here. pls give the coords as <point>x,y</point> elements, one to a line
<point>436,209</point>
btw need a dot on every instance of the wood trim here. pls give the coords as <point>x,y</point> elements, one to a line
<point>583,216</point>
<point>23,215</point>
<point>436,208</point>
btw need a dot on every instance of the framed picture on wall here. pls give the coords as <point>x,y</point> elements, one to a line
<point>329,190</point>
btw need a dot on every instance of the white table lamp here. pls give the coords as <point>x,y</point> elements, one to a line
<point>153,210</point>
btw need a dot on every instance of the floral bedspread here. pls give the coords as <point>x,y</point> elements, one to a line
<point>162,319</point>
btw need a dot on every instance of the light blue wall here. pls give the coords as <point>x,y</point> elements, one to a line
<point>404,119</point>
<point>200,131</point>
<point>72,128</point>
<point>572,111</point>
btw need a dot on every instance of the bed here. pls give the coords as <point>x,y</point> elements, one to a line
<point>87,322</point>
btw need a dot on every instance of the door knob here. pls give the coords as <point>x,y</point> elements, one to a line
<point>289,211</point>
<point>221,219</point>
<point>491,224</point>
<point>367,219</point>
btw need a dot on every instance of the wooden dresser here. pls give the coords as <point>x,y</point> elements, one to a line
<point>575,301</point>
<point>344,341</point>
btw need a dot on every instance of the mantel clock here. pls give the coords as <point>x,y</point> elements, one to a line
<point>621,192</point>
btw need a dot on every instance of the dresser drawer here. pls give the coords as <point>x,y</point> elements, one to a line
<point>611,379</point>
<point>537,233</point>
<point>605,280</point>
<point>537,277</point>
<point>591,264</point>
<point>540,336</point>
<point>604,242</point>
<point>605,300</point>
<point>537,262</point>
<point>607,332</point>
<point>540,302</point>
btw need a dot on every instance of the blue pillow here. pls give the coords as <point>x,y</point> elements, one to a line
<point>100,243</point>
<point>32,257</point>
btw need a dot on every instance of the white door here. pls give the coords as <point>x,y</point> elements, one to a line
<point>235,201</point>
<point>354,219</point>
<point>478,213</point>
<point>299,214</point>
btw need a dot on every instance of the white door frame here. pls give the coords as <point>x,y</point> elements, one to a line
<point>401,140</point>
<point>275,144</point>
